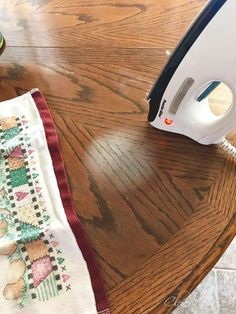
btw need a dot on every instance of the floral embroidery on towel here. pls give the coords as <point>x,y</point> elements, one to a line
<point>35,258</point>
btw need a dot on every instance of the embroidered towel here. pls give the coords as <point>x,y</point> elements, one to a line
<point>46,263</point>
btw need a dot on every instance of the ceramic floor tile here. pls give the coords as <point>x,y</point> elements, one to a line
<point>203,300</point>
<point>226,280</point>
<point>228,260</point>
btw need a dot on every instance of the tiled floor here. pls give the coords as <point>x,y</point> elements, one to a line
<point>217,293</point>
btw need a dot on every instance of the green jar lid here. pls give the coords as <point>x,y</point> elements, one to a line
<point>1,40</point>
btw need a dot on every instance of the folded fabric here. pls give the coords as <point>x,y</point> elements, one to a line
<point>46,263</point>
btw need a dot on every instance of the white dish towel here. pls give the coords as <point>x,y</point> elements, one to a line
<point>47,265</point>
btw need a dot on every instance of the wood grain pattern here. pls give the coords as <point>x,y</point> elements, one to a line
<point>221,99</point>
<point>158,208</point>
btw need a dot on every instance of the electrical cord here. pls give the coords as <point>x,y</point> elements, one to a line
<point>229,148</point>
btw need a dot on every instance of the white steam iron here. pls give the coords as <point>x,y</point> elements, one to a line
<point>205,57</point>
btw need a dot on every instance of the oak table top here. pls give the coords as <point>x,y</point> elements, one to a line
<point>158,208</point>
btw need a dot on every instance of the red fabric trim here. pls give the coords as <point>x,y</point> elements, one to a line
<point>59,169</point>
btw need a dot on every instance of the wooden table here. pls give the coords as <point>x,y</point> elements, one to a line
<point>158,208</point>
